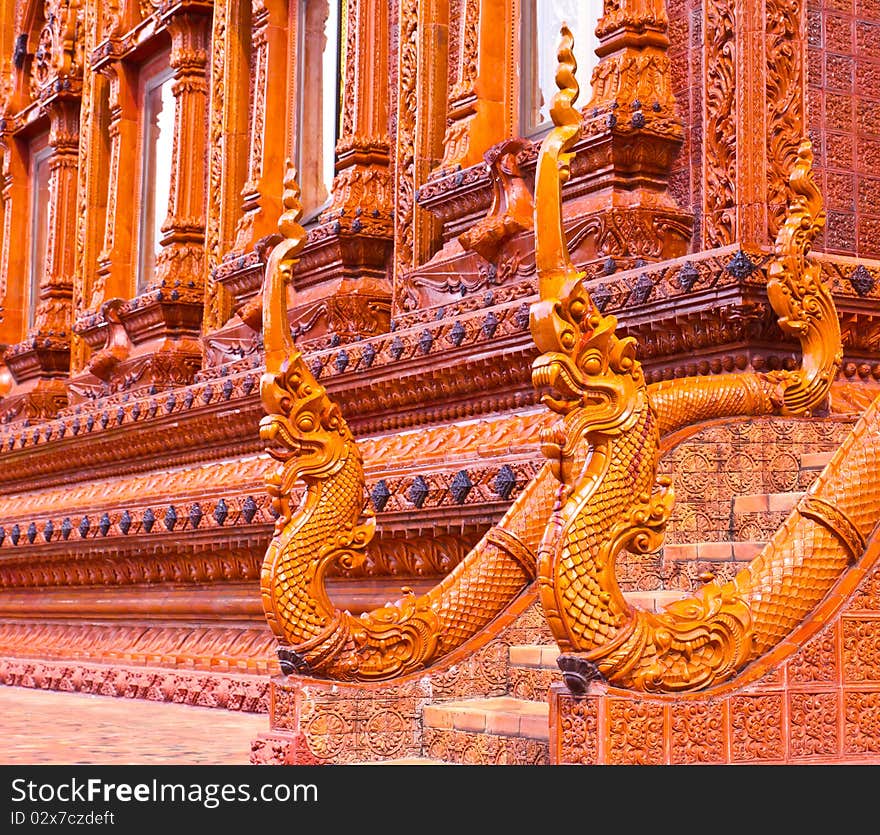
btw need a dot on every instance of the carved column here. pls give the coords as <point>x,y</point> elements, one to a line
<point>227,144</point>
<point>13,256</point>
<point>421,116</point>
<point>261,194</point>
<point>40,364</point>
<point>181,258</point>
<point>362,153</point>
<point>92,183</point>
<point>480,109</point>
<point>754,116</point>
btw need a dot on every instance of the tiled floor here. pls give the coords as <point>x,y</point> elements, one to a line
<point>41,727</point>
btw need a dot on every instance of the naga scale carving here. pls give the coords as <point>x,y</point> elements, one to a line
<point>597,494</point>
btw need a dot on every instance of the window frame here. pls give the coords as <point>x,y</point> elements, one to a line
<point>39,153</point>
<point>152,75</point>
<point>528,62</point>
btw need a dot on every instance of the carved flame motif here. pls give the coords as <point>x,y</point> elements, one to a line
<point>615,501</point>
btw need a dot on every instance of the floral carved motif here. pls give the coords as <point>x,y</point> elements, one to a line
<point>720,121</point>
<point>813,724</point>
<point>579,731</point>
<point>861,722</point>
<point>698,733</point>
<point>861,650</point>
<point>635,732</point>
<point>756,728</point>
<point>784,50</point>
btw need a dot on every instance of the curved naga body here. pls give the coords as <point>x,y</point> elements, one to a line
<point>310,439</point>
<point>597,494</point>
<point>615,500</point>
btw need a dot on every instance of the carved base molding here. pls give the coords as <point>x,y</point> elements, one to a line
<point>313,721</point>
<point>819,705</point>
<point>218,648</point>
<point>246,693</point>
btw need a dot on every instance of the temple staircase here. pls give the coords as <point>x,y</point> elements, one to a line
<point>513,728</point>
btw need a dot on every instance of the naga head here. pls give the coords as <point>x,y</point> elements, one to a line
<point>583,365</point>
<point>303,428</point>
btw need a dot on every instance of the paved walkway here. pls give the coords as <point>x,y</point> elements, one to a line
<point>44,727</point>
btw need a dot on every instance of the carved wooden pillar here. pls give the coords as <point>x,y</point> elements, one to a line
<point>261,194</point>
<point>421,117</point>
<point>116,259</point>
<point>182,253</point>
<point>480,108</point>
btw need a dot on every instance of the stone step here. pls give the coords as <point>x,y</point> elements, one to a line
<point>532,670</point>
<point>757,516</point>
<point>766,502</point>
<point>500,715</point>
<point>815,460</point>
<point>497,731</point>
<point>739,552</point>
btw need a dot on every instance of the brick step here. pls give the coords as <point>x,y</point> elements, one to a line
<point>815,460</point>
<point>740,552</point>
<point>500,715</point>
<point>757,516</point>
<point>766,502</point>
<point>501,730</point>
<point>532,668</point>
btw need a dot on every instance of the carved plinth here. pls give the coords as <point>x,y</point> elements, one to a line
<point>820,704</point>
<point>314,722</point>
<point>149,342</point>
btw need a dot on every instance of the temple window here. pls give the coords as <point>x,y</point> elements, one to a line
<point>40,155</point>
<point>319,100</point>
<point>157,147</point>
<point>541,20</point>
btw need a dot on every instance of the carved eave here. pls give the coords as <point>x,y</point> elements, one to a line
<point>164,313</point>
<point>43,355</point>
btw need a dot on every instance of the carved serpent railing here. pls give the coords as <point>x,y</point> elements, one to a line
<point>597,494</point>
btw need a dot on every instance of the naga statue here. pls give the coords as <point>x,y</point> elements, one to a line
<point>614,500</point>
<point>597,494</point>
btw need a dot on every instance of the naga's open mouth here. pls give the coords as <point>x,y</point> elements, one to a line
<point>555,384</point>
<point>280,443</point>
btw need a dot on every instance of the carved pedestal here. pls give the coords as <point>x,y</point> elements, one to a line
<point>818,705</point>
